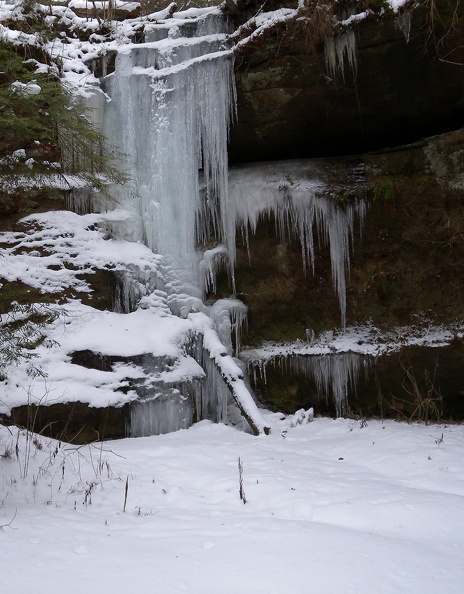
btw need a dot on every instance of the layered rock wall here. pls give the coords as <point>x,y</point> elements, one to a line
<point>406,83</point>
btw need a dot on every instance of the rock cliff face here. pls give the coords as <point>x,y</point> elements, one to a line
<point>405,82</point>
<point>309,88</point>
<point>406,275</point>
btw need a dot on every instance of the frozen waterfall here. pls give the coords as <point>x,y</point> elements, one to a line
<point>171,101</point>
<point>172,97</point>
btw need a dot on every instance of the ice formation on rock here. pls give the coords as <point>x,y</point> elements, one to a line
<point>229,315</point>
<point>340,50</point>
<point>292,193</point>
<point>172,97</point>
<point>334,374</point>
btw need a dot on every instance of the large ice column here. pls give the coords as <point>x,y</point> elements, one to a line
<point>171,104</point>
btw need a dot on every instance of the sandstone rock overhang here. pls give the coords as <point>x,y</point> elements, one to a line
<point>408,83</point>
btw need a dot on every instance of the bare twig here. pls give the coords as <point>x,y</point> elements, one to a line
<point>10,522</point>
<point>125,493</point>
<point>240,481</point>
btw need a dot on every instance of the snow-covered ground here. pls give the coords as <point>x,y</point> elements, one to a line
<point>331,507</point>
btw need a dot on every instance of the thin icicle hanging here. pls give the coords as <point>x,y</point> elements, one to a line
<point>404,23</point>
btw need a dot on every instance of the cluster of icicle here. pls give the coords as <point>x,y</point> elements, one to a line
<point>172,99</point>
<point>338,51</point>
<point>297,207</point>
<point>164,412</point>
<point>160,288</point>
<point>219,393</point>
<point>334,374</point>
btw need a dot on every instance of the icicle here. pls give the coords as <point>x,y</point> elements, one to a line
<point>212,396</point>
<point>170,111</point>
<point>129,291</point>
<point>310,335</point>
<point>212,352</point>
<point>80,200</point>
<point>404,23</point>
<point>163,408</point>
<point>257,192</point>
<point>339,48</point>
<point>333,374</point>
<point>213,261</point>
<point>258,367</point>
<point>166,411</point>
<point>172,99</point>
